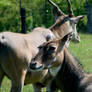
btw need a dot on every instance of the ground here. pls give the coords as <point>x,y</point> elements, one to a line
<point>82,50</point>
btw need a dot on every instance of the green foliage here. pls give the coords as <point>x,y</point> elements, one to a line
<point>35,13</point>
<point>8,15</point>
<point>89,2</point>
<point>82,25</point>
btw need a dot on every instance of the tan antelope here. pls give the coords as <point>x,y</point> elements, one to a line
<point>17,50</point>
<point>65,23</point>
<point>70,76</point>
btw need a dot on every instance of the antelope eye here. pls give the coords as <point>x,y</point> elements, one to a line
<point>50,48</point>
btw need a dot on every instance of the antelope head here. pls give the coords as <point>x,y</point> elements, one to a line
<point>70,21</point>
<point>47,55</point>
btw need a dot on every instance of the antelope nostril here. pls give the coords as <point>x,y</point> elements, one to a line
<point>78,38</point>
<point>33,65</point>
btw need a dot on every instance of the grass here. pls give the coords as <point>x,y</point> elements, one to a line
<point>7,84</point>
<point>82,50</point>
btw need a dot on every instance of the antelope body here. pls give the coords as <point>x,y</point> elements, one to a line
<point>16,51</point>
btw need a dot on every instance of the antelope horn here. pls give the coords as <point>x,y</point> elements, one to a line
<point>58,10</point>
<point>70,9</point>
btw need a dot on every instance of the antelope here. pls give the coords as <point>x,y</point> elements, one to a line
<point>46,58</point>
<point>17,50</point>
<point>70,76</point>
<point>64,23</point>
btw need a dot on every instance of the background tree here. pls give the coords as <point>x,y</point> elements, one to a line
<point>88,6</point>
<point>35,14</point>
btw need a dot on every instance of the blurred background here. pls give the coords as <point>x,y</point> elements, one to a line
<point>38,13</point>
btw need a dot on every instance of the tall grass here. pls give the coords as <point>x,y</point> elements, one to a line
<point>82,50</point>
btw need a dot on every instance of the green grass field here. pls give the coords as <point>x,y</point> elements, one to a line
<point>82,50</point>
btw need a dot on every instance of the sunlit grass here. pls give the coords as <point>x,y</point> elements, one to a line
<point>7,84</point>
<point>82,50</point>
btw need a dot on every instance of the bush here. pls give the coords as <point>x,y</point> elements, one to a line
<point>35,14</point>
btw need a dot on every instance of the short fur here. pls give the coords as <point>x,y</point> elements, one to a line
<point>71,77</point>
<point>16,52</point>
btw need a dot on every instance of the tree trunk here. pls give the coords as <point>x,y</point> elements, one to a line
<point>23,20</point>
<point>89,17</point>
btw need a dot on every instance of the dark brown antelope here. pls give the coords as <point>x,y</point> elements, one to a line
<point>70,76</point>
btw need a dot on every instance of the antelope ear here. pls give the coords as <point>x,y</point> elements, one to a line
<point>39,47</point>
<point>76,19</point>
<point>67,37</point>
<point>63,41</point>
